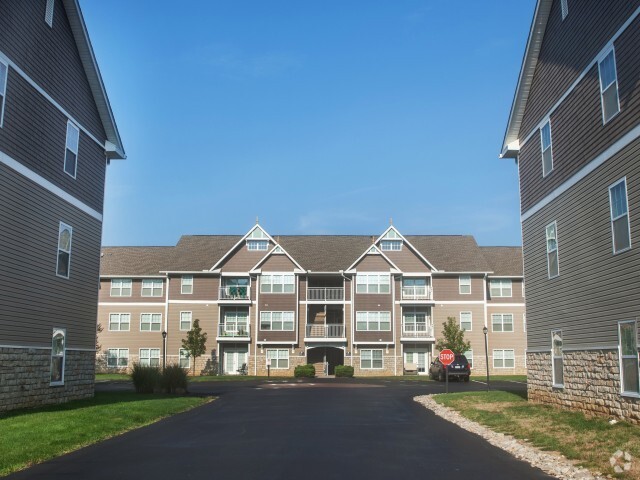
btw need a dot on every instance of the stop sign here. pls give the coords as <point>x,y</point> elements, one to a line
<point>446,356</point>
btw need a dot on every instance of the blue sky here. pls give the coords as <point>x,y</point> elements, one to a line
<point>317,117</point>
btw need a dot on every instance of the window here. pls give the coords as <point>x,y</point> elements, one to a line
<point>502,322</point>
<point>547,149</point>
<point>500,287</point>
<point>71,150</point>
<point>235,322</point>
<point>371,359</point>
<point>276,321</point>
<point>466,321</point>
<point>119,322</point>
<point>557,360</point>
<point>65,233</point>
<point>281,283</point>
<point>391,245</point>
<point>415,320</point>
<point>186,285</point>
<point>628,357</point>
<point>609,86</point>
<point>372,283</point>
<point>504,359</point>
<point>414,289</point>
<point>565,8</point>
<point>4,73</point>
<point>48,13</point>
<point>185,321</point>
<point>279,358</point>
<point>149,357</point>
<point>150,322</point>
<point>620,229</point>
<point>257,245</point>
<point>118,358</point>
<point>469,355</point>
<point>553,265</point>
<point>152,287</point>
<point>464,284</point>
<point>234,289</point>
<point>184,359</point>
<point>58,348</point>
<point>373,321</point>
<point>121,287</point>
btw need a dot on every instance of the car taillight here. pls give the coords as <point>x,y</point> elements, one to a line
<point>468,367</point>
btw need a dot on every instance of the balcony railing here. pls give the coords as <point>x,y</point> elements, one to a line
<point>325,331</point>
<point>235,292</point>
<point>419,330</point>
<point>233,330</point>
<point>423,292</point>
<point>325,293</point>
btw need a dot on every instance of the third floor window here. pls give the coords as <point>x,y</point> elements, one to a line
<point>71,150</point>
<point>609,86</point>
<point>277,283</point>
<point>500,287</point>
<point>373,283</point>
<point>152,287</point>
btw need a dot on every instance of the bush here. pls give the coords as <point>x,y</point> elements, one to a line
<point>305,371</point>
<point>174,379</point>
<point>146,379</point>
<point>344,371</point>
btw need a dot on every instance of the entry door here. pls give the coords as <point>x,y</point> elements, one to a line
<point>234,358</point>
<point>419,356</point>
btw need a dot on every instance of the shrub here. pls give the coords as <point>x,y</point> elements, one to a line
<point>145,379</point>
<point>305,371</point>
<point>344,371</point>
<point>174,379</point>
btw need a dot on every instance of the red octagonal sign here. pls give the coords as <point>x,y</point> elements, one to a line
<point>446,356</point>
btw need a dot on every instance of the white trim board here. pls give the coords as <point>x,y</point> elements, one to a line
<point>131,304</point>
<point>618,146</point>
<point>47,185</point>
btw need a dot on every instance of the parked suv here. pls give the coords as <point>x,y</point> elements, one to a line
<point>459,369</point>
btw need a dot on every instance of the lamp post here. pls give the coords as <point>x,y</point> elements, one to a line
<point>164,349</point>
<point>485,330</point>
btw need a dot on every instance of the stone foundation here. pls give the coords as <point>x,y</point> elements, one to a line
<point>591,384</point>
<point>25,377</point>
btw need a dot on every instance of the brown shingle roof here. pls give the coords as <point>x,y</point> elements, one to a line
<point>451,253</point>
<point>318,253</point>
<point>134,260</point>
<point>504,260</point>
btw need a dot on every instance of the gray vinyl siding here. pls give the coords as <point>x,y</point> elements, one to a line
<point>567,49</point>
<point>34,134</point>
<point>595,289</point>
<point>49,56</point>
<point>577,129</point>
<point>34,299</point>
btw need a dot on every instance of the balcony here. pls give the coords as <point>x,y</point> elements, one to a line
<point>417,331</point>
<point>233,331</point>
<point>235,292</point>
<point>323,332</point>
<point>423,292</point>
<point>325,294</point>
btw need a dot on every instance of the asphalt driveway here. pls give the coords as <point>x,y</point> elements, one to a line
<point>323,429</point>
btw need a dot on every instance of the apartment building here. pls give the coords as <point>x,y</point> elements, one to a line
<point>574,132</point>
<point>57,134</point>
<point>272,303</point>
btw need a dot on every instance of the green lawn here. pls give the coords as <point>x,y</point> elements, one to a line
<point>506,378</point>
<point>591,441</point>
<point>33,436</point>
<point>110,377</point>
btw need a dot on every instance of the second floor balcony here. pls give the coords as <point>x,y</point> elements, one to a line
<point>325,331</point>
<point>417,292</point>
<point>234,331</point>
<point>417,330</point>
<point>235,292</point>
<point>325,294</point>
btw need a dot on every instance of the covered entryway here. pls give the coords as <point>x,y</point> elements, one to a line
<point>234,357</point>
<point>419,355</point>
<point>325,359</point>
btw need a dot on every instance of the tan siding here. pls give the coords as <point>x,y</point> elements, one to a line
<point>407,261</point>
<point>136,293</point>
<point>516,293</point>
<point>134,339</point>
<point>204,288</point>
<point>208,316</point>
<point>34,299</point>
<point>242,260</point>
<point>442,312</point>
<point>595,289</point>
<point>278,263</point>
<point>373,263</point>
<point>447,288</point>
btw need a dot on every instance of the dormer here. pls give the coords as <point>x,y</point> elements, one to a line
<point>257,240</point>
<point>391,241</point>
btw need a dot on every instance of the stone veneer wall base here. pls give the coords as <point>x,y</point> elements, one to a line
<point>591,384</point>
<point>25,377</point>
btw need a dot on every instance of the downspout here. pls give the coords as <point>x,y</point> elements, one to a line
<point>486,275</point>
<point>166,318</point>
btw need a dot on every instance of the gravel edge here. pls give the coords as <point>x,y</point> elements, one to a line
<point>549,462</point>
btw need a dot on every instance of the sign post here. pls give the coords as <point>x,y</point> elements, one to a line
<point>446,358</point>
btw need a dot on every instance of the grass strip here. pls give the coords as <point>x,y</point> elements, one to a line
<point>500,378</point>
<point>28,437</point>
<point>591,441</point>
<point>123,377</point>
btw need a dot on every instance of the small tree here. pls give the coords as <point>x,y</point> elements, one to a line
<point>452,337</point>
<point>195,343</point>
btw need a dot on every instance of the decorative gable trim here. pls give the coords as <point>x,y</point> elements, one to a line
<point>373,250</point>
<point>241,242</point>
<point>407,243</point>
<point>277,250</point>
